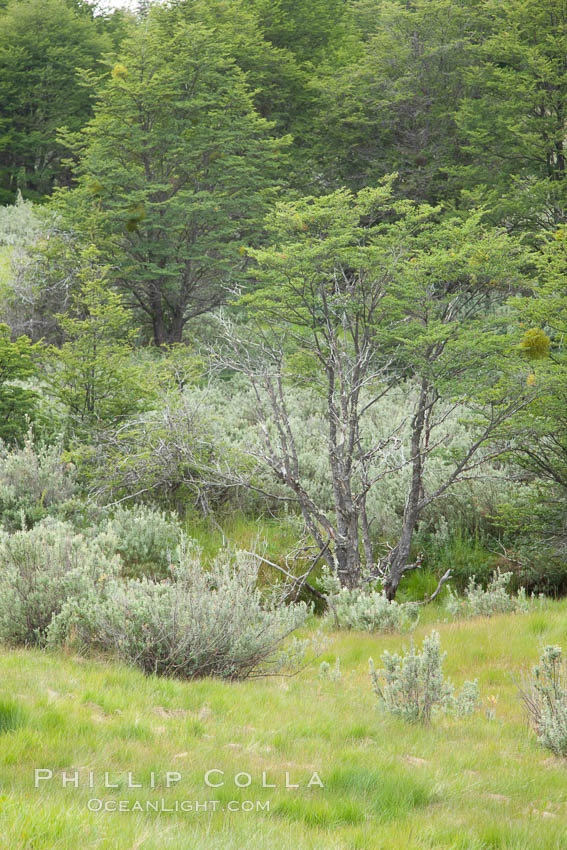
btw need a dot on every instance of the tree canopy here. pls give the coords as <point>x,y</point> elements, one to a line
<point>174,172</point>
<point>42,45</point>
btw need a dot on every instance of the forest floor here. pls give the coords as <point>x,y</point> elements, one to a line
<point>465,784</point>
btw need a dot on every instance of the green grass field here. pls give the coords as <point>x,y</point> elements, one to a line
<point>468,784</point>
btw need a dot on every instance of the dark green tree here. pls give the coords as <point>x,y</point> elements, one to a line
<point>390,107</point>
<point>513,118</point>
<point>174,172</point>
<point>42,44</point>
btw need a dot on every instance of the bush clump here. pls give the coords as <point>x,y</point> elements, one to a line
<point>495,599</point>
<point>34,482</point>
<point>40,570</point>
<point>412,686</point>
<point>544,694</point>
<point>147,539</point>
<point>366,609</point>
<point>211,622</point>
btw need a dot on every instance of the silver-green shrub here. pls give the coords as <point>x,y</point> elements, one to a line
<point>366,609</point>
<point>212,622</point>
<point>40,570</point>
<point>221,421</point>
<point>34,481</point>
<point>477,601</point>
<point>412,686</point>
<point>544,694</point>
<point>147,539</point>
<point>327,672</point>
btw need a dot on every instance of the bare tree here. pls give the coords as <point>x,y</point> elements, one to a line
<point>357,295</point>
<point>352,382</point>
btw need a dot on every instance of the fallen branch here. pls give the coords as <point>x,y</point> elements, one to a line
<point>297,580</point>
<point>444,578</point>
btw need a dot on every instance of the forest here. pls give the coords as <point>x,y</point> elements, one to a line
<point>283,375</point>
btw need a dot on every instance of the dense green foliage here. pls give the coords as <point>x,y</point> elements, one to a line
<point>283,312</point>
<point>17,404</point>
<point>373,193</point>
<point>42,43</point>
<point>173,171</point>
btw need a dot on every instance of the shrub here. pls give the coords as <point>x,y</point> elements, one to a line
<point>195,440</point>
<point>170,452</point>
<point>366,609</point>
<point>544,694</point>
<point>200,623</point>
<point>412,686</point>
<point>40,570</point>
<point>494,600</point>
<point>333,674</point>
<point>147,539</point>
<point>33,483</point>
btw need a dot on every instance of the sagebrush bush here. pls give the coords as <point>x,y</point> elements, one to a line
<point>495,599</point>
<point>212,622</point>
<point>327,672</point>
<point>40,570</point>
<point>147,539</point>
<point>34,481</point>
<point>413,685</point>
<point>366,609</point>
<point>167,451</point>
<point>171,452</point>
<point>544,694</point>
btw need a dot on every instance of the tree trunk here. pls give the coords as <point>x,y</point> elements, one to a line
<point>158,323</point>
<point>175,333</point>
<point>397,560</point>
<point>347,553</point>
<point>398,557</point>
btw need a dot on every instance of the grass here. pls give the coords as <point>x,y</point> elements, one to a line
<point>473,784</point>
<point>242,532</point>
<point>462,553</point>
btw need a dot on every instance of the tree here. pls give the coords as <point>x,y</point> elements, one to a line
<point>42,43</point>
<point>356,294</point>
<point>174,172</point>
<point>539,433</point>
<point>513,119</point>
<point>279,81</point>
<point>18,404</point>
<point>390,106</point>
<point>93,374</point>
